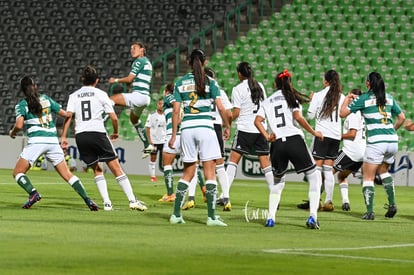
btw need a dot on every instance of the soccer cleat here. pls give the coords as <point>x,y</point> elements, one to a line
<point>392,210</point>
<point>328,207</point>
<point>305,205</point>
<point>107,206</point>
<point>270,223</point>
<point>147,151</point>
<point>137,205</point>
<point>33,198</point>
<point>216,222</point>
<point>369,216</point>
<point>153,179</point>
<point>227,207</point>
<point>188,205</point>
<point>312,223</point>
<point>346,206</point>
<point>220,201</point>
<point>166,198</point>
<point>176,220</point>
<point>91,204</point>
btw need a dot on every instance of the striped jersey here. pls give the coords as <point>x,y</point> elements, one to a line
<point>197,109</point>
<point>40,129</point>
<point>280,116</point>
<point>168,110</point>
<point>379,123</point>
<point>142,69</point>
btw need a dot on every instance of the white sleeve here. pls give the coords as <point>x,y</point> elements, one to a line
<point>148,122</point>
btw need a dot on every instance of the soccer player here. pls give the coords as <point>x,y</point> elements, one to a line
<point>87,105</point>
<point>35,112</point>
<point>350,157</point>
<point>246,98</point>
<point>283,110</point>
<point>324,108</point>
<point>378,109</point>
<point>140,77</point>
<point>156,132</point>
<point>196,92</point>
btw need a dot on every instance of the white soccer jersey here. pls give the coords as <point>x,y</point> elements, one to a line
<point>227,105</point>
<point>280,116</point>
<point>241,98</point>
<point>330,127</point>
<point>158,126</point>
<point>355,148</point>
<point>88,104</point>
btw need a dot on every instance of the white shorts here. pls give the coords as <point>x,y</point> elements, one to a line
<point>381,152</point>
<point>199,143</point>
<point>52,152</point>
<point>136,101</point>
<point>177,145</point>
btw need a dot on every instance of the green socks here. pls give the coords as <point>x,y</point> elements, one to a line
<point>369,192</point>
<point>388,184</point>
<point>211,195</point>
<point>25,183</point>
<point>78,187</point>
<point>169,181</point>
<point>179,197</point>
<point>142,133</point>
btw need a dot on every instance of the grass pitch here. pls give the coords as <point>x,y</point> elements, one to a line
<point>59,235</point>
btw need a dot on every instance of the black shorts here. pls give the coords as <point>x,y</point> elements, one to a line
<point>157,149</point>
<point>326,149</point>
<point>291,149</point>
<point>343,163</point>
<point>95,147</point>
<point>219,132</point>
<point>250,143</point>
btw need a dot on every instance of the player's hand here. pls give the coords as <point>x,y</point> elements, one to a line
<point>114,137</point>
<point>226,133</point>
<point>408,124</point>
<point>271,137</point>
<point>171,143</point>
<point>12,135</point>
<point>64,144</point>
<point>319,135</point>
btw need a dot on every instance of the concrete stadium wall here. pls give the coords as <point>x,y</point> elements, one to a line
<point>130,153</point>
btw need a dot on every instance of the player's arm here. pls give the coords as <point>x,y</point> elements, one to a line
<point>409,125</point>
<point>224,116</point>
<point>18,126</point>
<point>258,122</point>
<point>297,115</point>
<point>114,120</point>
<point>351,134</point>
<point>127,79</point>
<point>66,124</point>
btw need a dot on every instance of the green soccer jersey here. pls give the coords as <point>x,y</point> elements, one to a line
<point>40,129</point>
<point>142,69</point>
<point>379,122</point>
<point>197,109</point>
<point>168,110</point>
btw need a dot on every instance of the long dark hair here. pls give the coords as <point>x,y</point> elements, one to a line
<point>89,75</point>
<point>283,81</point>
<point>332,97</point>
<point>256,92</point>
<point>378,87</point>
<point>197,59</point>
<point>29,89</point>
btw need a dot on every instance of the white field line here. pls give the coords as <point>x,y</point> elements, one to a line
<point>312,252</point>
